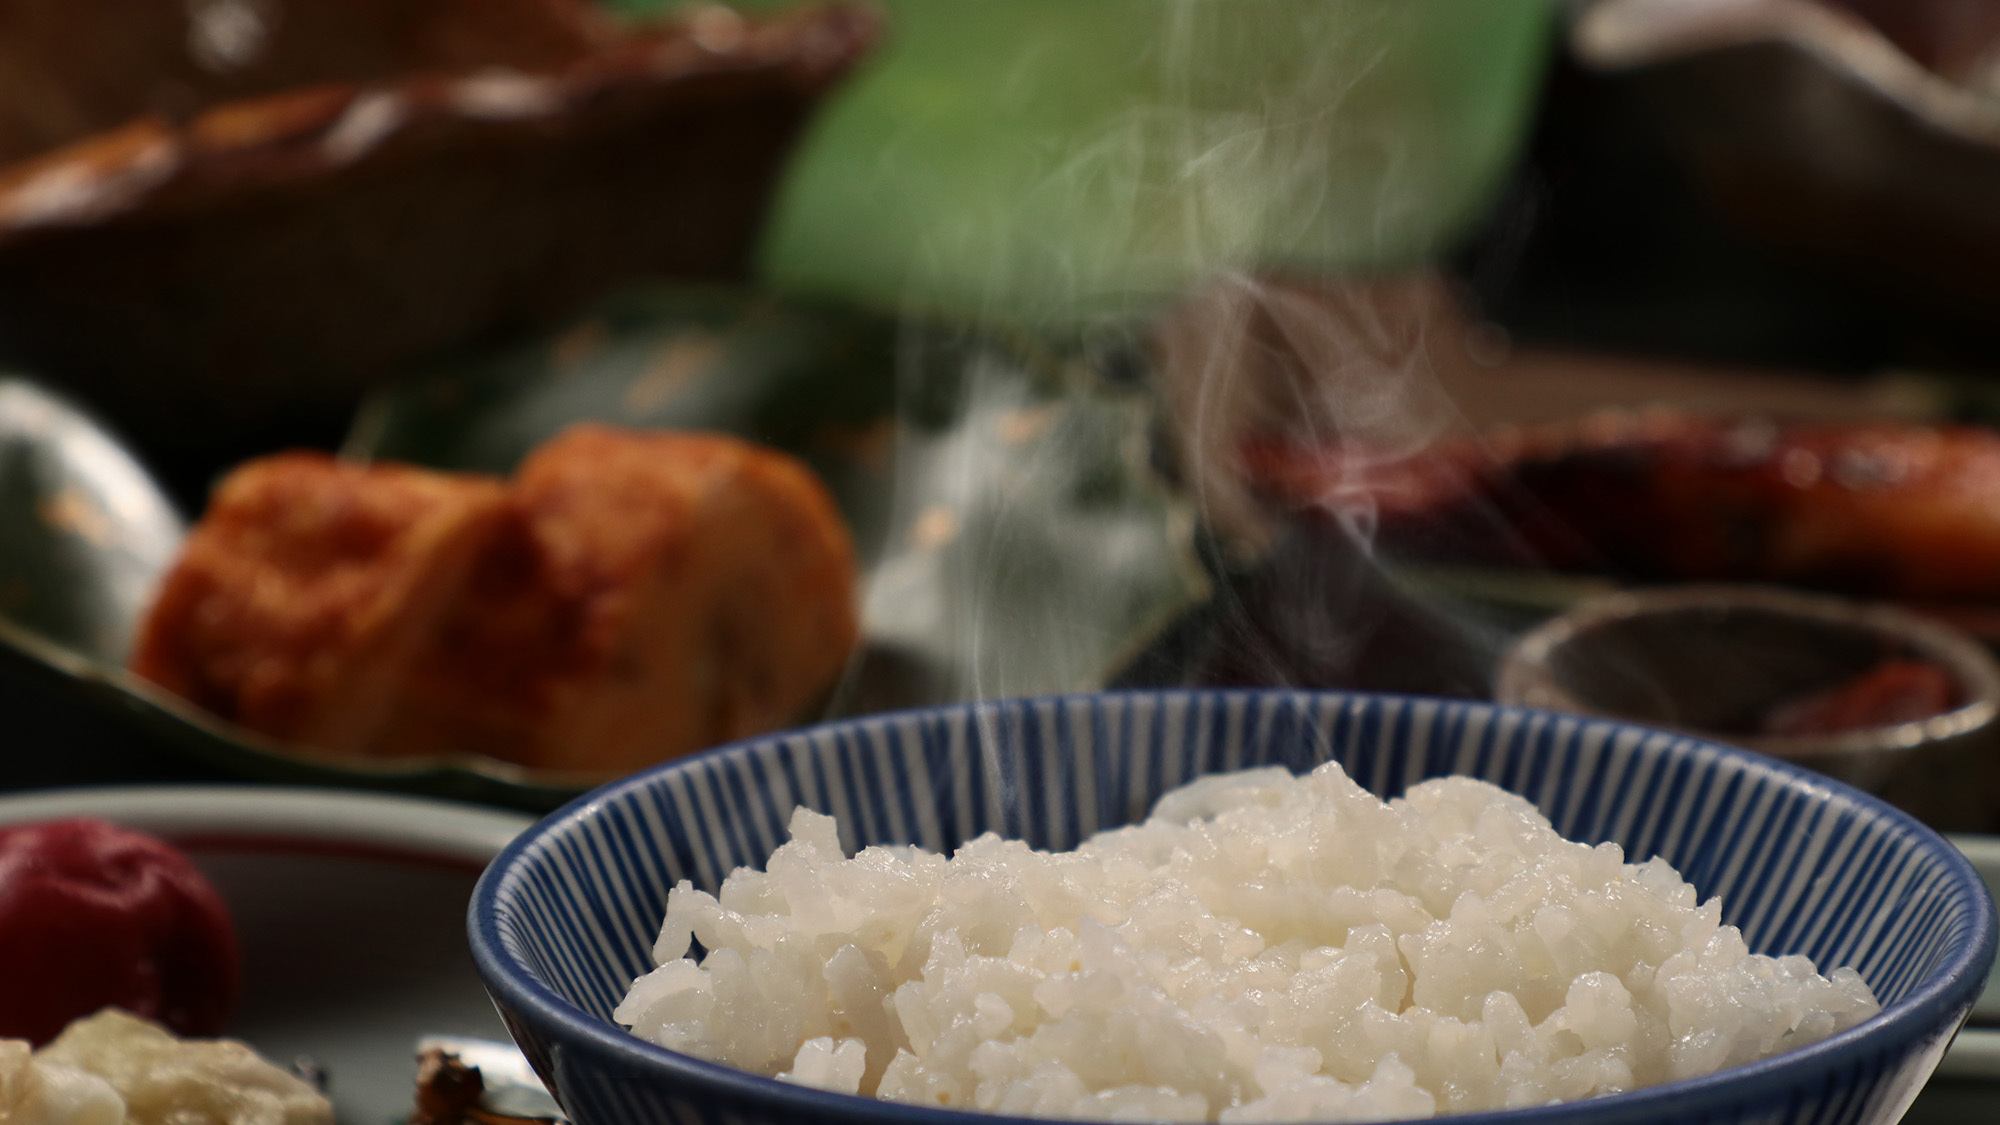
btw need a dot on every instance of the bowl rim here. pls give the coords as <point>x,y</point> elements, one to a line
<point>1636,35</point>
<point>1939,1002</point>
<point>206,817</point>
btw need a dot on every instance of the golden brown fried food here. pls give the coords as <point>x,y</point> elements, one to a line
<point>308,590</point>
<point>651,594</point>
<point>1894,509</point>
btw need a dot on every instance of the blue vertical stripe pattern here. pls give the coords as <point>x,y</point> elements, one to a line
<point>566,916</point>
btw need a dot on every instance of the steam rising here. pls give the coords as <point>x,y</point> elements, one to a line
<point>1127,177</point>
<point>1346,369</point>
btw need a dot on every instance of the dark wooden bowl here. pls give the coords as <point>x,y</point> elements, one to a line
<point>222,251</point>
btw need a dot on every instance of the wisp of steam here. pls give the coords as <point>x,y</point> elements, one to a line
<point>1127,178</point>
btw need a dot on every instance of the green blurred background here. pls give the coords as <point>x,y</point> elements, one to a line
<point>1052,162</point>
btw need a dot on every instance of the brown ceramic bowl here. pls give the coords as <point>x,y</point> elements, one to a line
<point>1726,661</point>
<point>221,218</point>
<point>1859,136</point>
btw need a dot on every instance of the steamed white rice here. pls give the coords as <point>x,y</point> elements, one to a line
<point>1262,948</point>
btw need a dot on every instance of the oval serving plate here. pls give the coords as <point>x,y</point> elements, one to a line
<point>350,908</point>
<point>1014,536</point>
<point>163,720</point>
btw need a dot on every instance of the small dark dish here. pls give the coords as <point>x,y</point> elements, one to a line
<point>564,919</point>
<point>1863,135</point>
<point>1726,661</point>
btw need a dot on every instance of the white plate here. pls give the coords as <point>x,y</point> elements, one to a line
<point>351,912</point>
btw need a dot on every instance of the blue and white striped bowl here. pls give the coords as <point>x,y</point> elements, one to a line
<point>563,920</point>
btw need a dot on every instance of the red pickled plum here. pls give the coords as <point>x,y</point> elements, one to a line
<point>94,915</point>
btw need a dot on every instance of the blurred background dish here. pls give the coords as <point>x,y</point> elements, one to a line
<point>221,221</point>
<point>1014,532</point>
<point>350,910</point>
<point>88,534</point>
<point>1862,136</point>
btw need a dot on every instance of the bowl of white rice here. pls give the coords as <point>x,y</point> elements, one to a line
<point>1231,906</point>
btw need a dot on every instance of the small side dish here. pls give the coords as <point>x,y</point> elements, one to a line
<point>349,912</point>
<point>1879,697</point>
<point>97,923</point>
<point>627,597</point>
<point>1264,948</point>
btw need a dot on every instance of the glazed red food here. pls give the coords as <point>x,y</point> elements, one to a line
<point>1894,691</point>
<point>1891,509</point>
<point>94,915</point>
